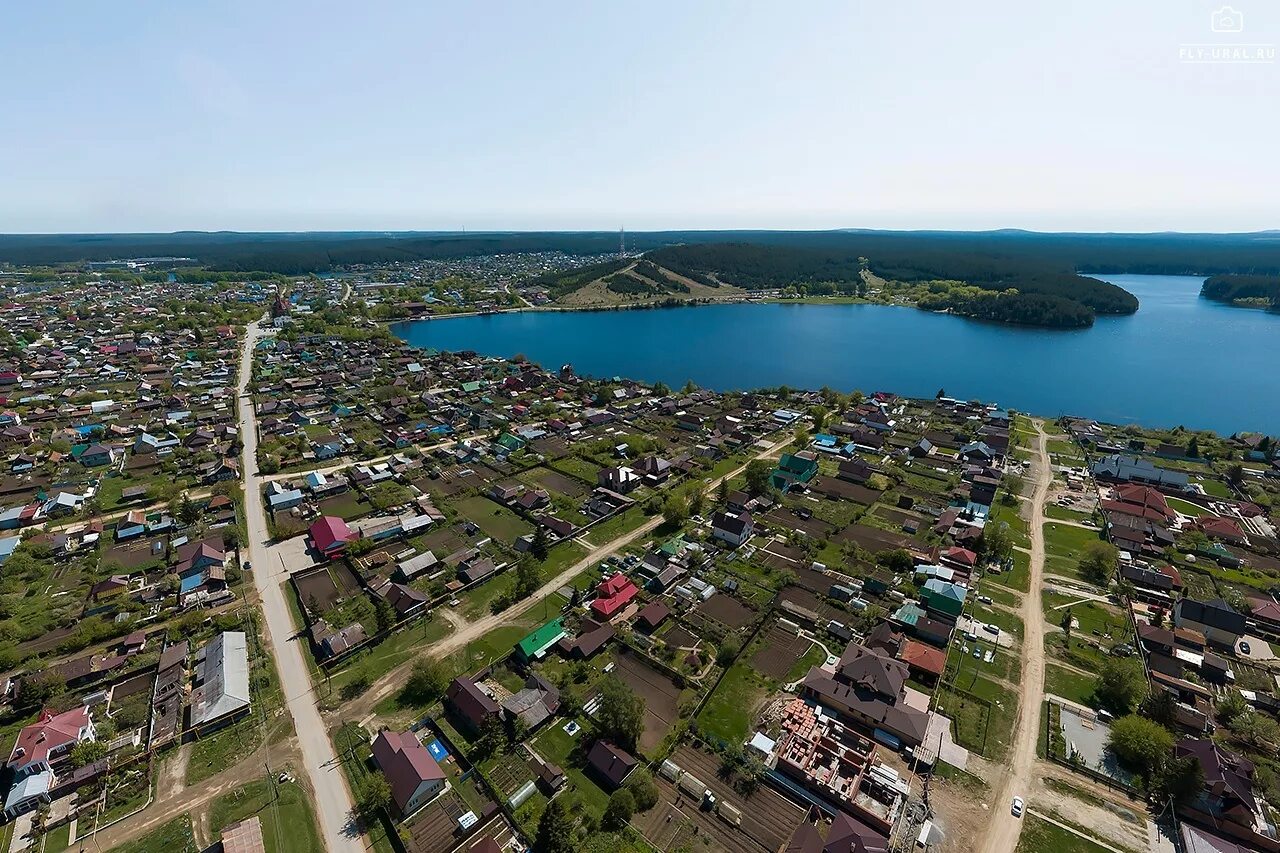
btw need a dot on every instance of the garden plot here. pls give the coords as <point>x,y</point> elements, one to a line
<point>661,696</point>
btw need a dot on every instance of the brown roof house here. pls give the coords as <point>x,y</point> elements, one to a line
<point>414,776</point>
<point>610,765</point>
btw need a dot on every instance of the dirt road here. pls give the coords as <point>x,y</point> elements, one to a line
<point>394,680</point>
<point>319,762</point>
<point>1004,829</point>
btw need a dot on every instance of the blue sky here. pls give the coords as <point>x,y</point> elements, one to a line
<point>130,116</point>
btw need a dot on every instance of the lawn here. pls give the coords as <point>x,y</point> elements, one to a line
<point>815,656</point>
<point>390,653</point>
<point>353,746</point>
<point>619,525</point>
<point>495,520</point>
<point>1003,619</point>
<point>215,752</point>
<point>981,709</point>
<point>556,746</point>
<point>176,836</point>
<point>1069,684</point>
<point>288,825</point>
<point>1061,513</point>
<point>1040,836</point>
<point>1064,548</point>
<point>1186,507</point>
<point>58,838</point>
<point>728,713</point>
<point>1019,530</point>
<point>1017,578</point>
<point>1216,488</point>
<point>1094,619</point>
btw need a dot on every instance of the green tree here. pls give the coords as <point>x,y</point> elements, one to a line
<point>555,829</point>
<point>728,650</point>
<point>757,473</point>
<point>621,806</point>
<point>675,510</point>
<point>621,713</point>
<point>188,512</point>
<point>1098,565</point>
<point>1193,448</point>
<point>643,790</point>
<point>996,544</point>
<point>1178,779</point>
<point>427,681</point>
<point>87,752</point>
<point>1121,684</point>
<point>722,492</point>
<point>373,795</point>
<point>1066,626</point>
<point>528,578</point>
<point>538,548</point>
<point>1139,743</point>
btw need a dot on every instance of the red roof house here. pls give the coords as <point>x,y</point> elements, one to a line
<point>613,594</point>
<point>330,535</point>
<point>414,776</point>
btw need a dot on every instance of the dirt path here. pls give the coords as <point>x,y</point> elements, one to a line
<point>1003,829</point>
<point>452,616</point>
<point>175,797</point>
<point>388,684</point>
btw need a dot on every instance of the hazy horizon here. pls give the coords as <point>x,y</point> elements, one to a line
<point>403,116</point>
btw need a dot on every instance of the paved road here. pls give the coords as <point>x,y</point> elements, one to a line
<point>394,680</point>
<point>1003,829</point>
<point>333,800</point>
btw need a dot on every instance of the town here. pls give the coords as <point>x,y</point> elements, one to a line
<point>275,579</point>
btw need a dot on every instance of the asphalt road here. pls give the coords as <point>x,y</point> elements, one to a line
<point>333,800</point>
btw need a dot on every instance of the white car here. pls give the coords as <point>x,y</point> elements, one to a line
<point>1017,806</point>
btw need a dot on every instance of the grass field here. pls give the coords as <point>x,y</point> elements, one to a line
<point>1039,836</point>
<point>390,653</point>
<point>1069,684</point>
<point>554,745</point>
<point>1064,547</point>
<point>1054,511</point>
<point>494,519</point>
<point>176,836</point>
<point>1186,508</point>
<point>1019,577</point>
<point>728,714</point>
<point>288,825</point>
<point>58,839</point>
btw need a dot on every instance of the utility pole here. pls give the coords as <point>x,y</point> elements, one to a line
<point>622,242</point>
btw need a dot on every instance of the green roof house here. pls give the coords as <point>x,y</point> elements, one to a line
<point>943,597</point>
<point>791,470</point>
<point>536,644</point>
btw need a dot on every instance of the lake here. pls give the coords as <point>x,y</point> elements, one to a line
<point>1179,360</point>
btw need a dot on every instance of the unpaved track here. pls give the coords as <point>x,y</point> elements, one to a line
<point>1004,829</point>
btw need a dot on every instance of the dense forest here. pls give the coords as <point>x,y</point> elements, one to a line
<point>1260,290</point>
<point>560,284</point>
<point>1063,298</point>
<point>303,252</point>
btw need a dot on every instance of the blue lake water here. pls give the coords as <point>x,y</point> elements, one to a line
<point>1179,360</point>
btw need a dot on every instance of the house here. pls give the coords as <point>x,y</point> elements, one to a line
<point>414,776</point>
<point>612,594</point>
<point>470,704</point>
<point>39,747</point>
<point>409,569</point>
<point>652,616</point>
<point>610,765</point>
<point>1221,624</point>
<point>943,599</point>
<point>925,663</point>
<point>535,645</point>
<point>330,535</point>
<point>1228,801</point>
<point>794,469</point>
<point>1119,468</point>
<point>870,689</point>
<point>95,455</point>
<point>591,638</point>
<point>619,478</point>
<point>733,528</point>
<point>534,704</point>
<point>220,692</point>
<point>846,835</point>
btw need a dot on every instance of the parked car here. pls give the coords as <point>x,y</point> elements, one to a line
<point>1018,806</point>
<point>1244,647</point>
